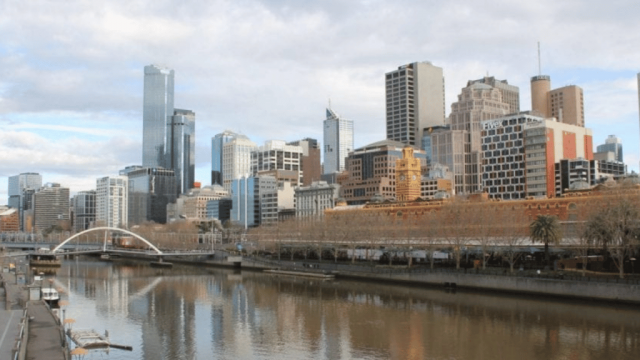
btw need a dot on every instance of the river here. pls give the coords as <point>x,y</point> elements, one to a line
<point>208,313</point>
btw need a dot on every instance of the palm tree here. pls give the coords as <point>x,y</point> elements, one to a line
<point>545,228</point>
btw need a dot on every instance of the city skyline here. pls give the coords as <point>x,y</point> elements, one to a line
<point>71,101</point>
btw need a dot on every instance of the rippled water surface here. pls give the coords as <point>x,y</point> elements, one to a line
<point>206,313</point>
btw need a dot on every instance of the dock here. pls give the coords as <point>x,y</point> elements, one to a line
<point>91,339</point>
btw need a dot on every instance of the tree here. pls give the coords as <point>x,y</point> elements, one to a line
<point>546,229</point>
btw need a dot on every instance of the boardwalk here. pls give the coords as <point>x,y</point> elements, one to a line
<point>45,340</point>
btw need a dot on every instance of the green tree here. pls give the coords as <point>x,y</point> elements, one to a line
<point>545,228</point>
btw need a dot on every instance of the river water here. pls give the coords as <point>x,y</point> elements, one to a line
<point>208,313</point>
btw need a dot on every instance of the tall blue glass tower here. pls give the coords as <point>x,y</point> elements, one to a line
<point>157,111</point>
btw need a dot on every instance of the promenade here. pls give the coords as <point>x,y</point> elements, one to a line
<point>39,338</point>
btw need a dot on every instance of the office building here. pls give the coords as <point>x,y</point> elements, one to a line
<point>414,101</point>
<point>310,165</point>
<point>181,156</point>
<point>112,204</point>
<point>254,201</point>
<point>566,104</point>
<point>219,209</point>
<point>547,142</point>
<point>510,93</point>
<point>84,210</point>
<point>217,143</point>
<point>156,114</point>
<point>338,142</point>
<point>279,160</point>
<point>612,144</point>
<point>311,201</point>
<point>476,103</point>
<point>9,219</point>
<point>236,159</point>
<point>51,207</point>
<point>20,190</point>
<point>427,143</point>
<point>193,205</point>
<point>371,171</point>
<point>150,191</point>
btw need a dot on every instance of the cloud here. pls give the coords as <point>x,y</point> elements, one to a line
<point>267,68</point>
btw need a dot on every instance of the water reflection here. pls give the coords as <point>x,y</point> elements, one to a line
<point>195,313</point>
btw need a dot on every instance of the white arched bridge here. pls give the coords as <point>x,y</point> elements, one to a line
<point>41,250</point>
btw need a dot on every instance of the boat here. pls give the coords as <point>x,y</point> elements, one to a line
<point>44,258</point>
<point>50,296</point>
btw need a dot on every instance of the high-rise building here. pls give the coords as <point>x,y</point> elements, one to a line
<point>254,201</point>
<point>182,152</point>
<point>612,144</point>
<point>112,193</point>
<point>236,159</point>
<point>156,113</point>
<point>279,160</point>
<point>84,210</point>
<point>21,189</point>
<point>510,93</point>
<point>338,142</point>
<point>51,207</point>
<point>217,143</point>
<point>565,104</point>
<point>371,171</point>
<point>150,191</point>
<point>546,142</point>
<point>476,103</point>
<point>414,101</point>
<point>310,161</point>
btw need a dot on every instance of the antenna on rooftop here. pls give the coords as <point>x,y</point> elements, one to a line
<point>539,66</point>
<point>329,103</point>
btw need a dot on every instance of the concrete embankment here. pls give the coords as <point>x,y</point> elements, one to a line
<point>593,290</point>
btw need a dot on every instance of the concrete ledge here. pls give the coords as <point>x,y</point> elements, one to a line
<point>559,288</point>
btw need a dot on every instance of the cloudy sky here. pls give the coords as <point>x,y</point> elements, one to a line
<point>71,72</point>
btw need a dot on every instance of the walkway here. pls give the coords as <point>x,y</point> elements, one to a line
<point>45,341</point>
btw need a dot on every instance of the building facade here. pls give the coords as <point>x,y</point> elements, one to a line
<point>277,159</point>
<point>84,210</point>
<point>217,143</point>
<point>254,201</point>
<point>157,111</point>
<point>476,103</point>
<point>510,93</point>
<point>236,159</point>
<point>51,207</point>
<point>408,176</point>
<point>150,191</point>
<point>414,101</point>
<point>547,142</point>
<point>612,144</point>
<point>338,142</point>
<point>371,171</point>
<point>311,201</point>
<point>219,209</point>
<point>182,152</point>
<point>310,161</point>
<point>566,104</point>
<point>20,190</point>
<point>9,219</point>
<point>112,197</point>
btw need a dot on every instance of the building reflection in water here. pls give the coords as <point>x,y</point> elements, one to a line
<point>189,313</point>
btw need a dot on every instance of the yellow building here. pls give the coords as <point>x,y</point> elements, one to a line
<point>408,176</point>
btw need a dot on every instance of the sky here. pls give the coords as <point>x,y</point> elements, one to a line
<point>71,72</point>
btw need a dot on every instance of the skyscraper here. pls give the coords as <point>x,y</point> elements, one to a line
<point>216,154</point>
<point>236,159</point>
<point>21,189</point>
<point>338,142</point>
<point>150,190</point>
<point>310,161</point>
<point>112,194</point>
<point>181,154</point>
<point>415,101</point>
<point>84,205</point>
<point>51,207</point>
<point>510,93</point>
<point>612,144</point>
<point>279,160</point>
<point>156,113</point>
<point>565,104</point>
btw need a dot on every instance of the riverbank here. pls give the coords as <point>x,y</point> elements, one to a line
<point>547,285</point>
